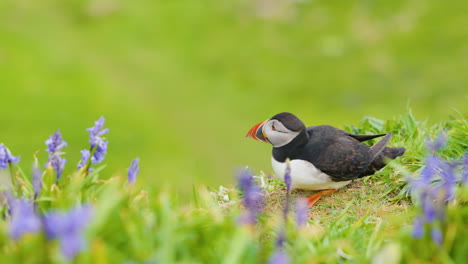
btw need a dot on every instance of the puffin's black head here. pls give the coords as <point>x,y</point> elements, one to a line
<point>278,130</point>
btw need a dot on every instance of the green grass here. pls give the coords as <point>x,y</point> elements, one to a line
<point>370,219</point>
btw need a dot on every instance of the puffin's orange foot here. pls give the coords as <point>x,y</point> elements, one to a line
<point>313,198</point>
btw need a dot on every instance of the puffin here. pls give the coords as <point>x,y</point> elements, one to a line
<point>322,158</point>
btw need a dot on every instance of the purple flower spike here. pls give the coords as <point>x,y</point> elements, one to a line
<point>465,169</point>
<point>23,218</point>
<point>439,142</point>
<point>84,158</point>
<point>133,171</point>
<point>253,197</point>
<point>281,239</point>
<point>418,227</point>
<point>68,228</point>
<point>302,212</point>
<point>36,180</point>
<point>58,164</point>
<point>449,180</point>
<point>287,177</point>
<point>436,235</point>
<point>97,131</point>
<point>279,257</point>
<point>101,150</point>
<point>55,143</point>
<point>6,157</point>
<point>434,188</point>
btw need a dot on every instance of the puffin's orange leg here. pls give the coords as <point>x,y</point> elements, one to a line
<point>313,198</point>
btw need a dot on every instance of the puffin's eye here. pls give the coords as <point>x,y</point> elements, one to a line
<point>273,127</point>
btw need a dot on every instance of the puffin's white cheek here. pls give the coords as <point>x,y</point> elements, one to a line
<point>281,139</point>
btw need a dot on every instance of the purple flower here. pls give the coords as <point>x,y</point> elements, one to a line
<point>287,182</point>
<point>465,169</point>
<point>96,132</point>
<point>281,239</point>
<point>55,143</point>
<point>253,197</point>
<point>428,207</point>
<point>133,171</point>
<point>36,180</point>
<point>101,150</point>
<point>438,143</point>
<point>279,256</point>
<point>23,218</point>
<point>433,190</point>
<point>436,235</point>
<point>84,158</point>
<point>418,227</point>
<point>302,212</point>
<point>68,228</point>
<point>6,157</point>
<point>448,180</point>
<point>287,177</point>
<point>58,164</point>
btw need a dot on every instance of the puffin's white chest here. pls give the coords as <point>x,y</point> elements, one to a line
<point>306,176</point>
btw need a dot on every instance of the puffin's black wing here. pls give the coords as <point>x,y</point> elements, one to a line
<point>337,153</point>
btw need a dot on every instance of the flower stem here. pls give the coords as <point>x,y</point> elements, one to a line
<point>13,177</point>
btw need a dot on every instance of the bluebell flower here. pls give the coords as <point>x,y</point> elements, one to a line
<point>465,169</point>
<point>448,180</point>
<point>68,228</point>
<point>97,131</point>
<point>55,143</point>
<point>101,150</point>
<point>36,180</point>
<point>133,171</point>
<point>438,143</point>
<point>279,255</point>
<point>252,197</point>
<point>302,212</point>
<point>6,157</point>
<point>418,227</point>
<point>85,154</point>
<point>23,218</point>
<point>436,235</point>
<point>281,239</point>
<point>434,188</point>
<point>287,176</point>
<point>58,163</point>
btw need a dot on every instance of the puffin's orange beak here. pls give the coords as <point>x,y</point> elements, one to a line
<point>256,132</point>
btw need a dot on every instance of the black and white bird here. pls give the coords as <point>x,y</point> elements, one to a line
<point>321,157</point>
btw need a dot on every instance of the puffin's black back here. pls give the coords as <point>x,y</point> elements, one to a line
<point>337,153</point>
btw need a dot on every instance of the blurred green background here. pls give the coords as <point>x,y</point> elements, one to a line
<point>182,81</point>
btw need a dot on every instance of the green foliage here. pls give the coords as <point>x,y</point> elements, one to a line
<point>358,224</point>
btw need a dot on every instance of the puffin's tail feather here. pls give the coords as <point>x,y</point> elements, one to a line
<point>382,155</point>
<point>378,147</point>
<point>386,155</point>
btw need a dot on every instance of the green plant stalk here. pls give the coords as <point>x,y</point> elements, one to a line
<point>238,245</point>
<point>14,182</point>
